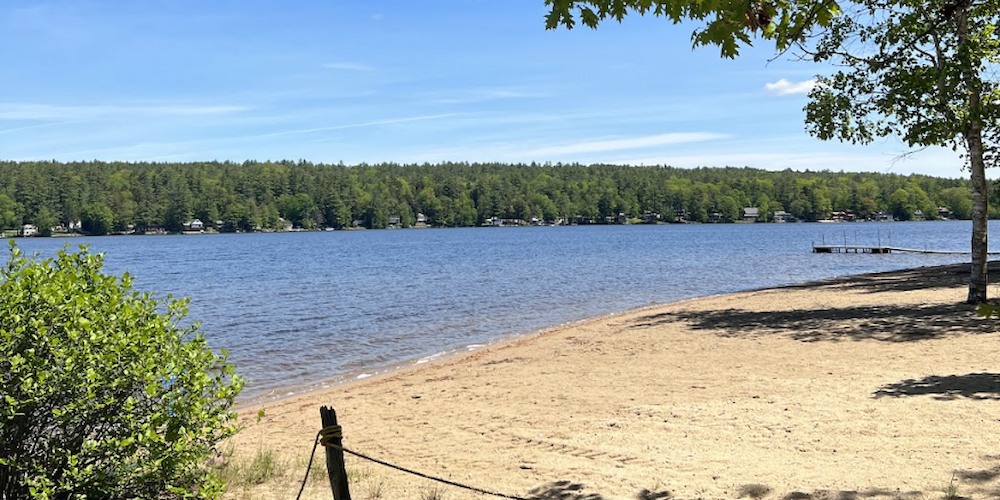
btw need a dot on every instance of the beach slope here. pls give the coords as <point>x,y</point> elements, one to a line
<point>876,386</point>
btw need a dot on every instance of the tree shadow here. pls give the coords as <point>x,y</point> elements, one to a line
<point>884,323</point>
<point>975,386</point>
<point>922,278</point>
<point>854,495</point>
<point>982,482</point>
<point>568,490</point>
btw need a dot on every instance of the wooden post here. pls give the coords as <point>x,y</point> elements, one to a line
<point>335,458</point>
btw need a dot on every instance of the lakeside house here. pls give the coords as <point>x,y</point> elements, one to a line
<point>844,216</point>
<point>194,225</point>
<point>498,222</point>
<point>421,220</point>
<point>619,219</point>
<point>28,230</point>
<point>782,216</point>
<point>751,214</point>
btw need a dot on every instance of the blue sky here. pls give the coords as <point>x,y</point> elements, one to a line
<point>399,80</point>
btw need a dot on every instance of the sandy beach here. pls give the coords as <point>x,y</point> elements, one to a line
<point>877,386</point>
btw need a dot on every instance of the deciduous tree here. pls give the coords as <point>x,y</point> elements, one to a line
<point>921,70</point>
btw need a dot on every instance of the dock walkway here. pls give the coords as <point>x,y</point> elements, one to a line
<point>884,249</point>
<point>851,249</point>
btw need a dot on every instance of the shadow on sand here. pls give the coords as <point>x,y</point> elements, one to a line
<point>885,323</point>
<point>921,278</point>
<point>568,490</point>
<point>976,386</point>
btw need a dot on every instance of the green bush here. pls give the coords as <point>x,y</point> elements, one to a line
<point>103,392</point>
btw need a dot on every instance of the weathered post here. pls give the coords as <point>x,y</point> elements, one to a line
<point>335,456</point>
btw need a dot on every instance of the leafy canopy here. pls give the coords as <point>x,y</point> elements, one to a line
<point>725,23</point>
<point>102,393</point>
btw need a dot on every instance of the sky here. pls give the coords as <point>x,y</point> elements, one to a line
<point>402,81</point>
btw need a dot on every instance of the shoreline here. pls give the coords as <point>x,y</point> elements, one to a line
<point>360,375</point>
<point>880,385</point>
<point>374,373</point>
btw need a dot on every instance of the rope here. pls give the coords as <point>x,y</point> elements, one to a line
<point>326,436</point>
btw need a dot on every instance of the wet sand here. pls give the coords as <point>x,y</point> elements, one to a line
<point>877,386</point>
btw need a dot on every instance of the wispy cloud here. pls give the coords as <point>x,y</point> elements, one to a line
<point>373,123</point>
<point>348,66</point>
<point>785,87</point>
<point>469,96</point>
<point>601,146</point>
<point>31,111</point>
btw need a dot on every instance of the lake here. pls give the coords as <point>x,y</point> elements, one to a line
<point>300,309</point>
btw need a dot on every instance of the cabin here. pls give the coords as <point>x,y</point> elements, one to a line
<point>421,220</point>
<point>751,214</point>
<point>621,218</point>
<point>393,222</point>
<point>194,225</point>
<point>782,216</point>
<point>715,217</point>
<point>943,213</point>
<point>28,230</point>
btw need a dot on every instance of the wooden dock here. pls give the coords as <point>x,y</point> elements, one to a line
<point>851,249</point>
<point>884,249</point>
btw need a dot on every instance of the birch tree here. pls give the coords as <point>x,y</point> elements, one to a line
<point>924,71</point>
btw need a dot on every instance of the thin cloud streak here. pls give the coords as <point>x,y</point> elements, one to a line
<point>600,146</point>
<point>375,123</point>
<point>31,111</point>
<point>480,95</point>
<point>347,66</point>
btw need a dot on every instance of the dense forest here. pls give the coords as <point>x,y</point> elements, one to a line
<point>101,197</point>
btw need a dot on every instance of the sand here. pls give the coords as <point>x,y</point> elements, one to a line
<point>878,386</point>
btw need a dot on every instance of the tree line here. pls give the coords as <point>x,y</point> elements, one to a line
<point>115,197</point>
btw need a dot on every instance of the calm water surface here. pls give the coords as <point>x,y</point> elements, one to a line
<point>296,309</point>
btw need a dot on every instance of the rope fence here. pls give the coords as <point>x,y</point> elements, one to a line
<point>329,437</point>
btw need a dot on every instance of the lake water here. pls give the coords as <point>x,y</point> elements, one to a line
<point>300,309</point>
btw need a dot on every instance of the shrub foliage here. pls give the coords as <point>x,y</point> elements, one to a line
<point>103,392</point>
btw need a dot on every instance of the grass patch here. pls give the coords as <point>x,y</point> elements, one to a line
<point>434,493</point>
<point>263,466</point>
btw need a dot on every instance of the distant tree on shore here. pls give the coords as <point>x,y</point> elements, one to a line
<point>127,197</point>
